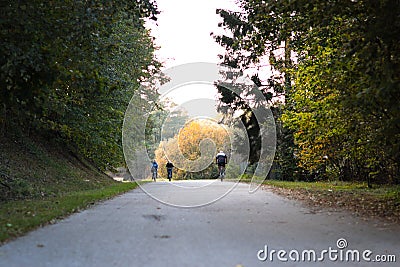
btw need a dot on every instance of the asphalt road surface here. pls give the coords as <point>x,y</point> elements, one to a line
<point>240,229</point>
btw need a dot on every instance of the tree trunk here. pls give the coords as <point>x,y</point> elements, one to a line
<point>288,63</point>
<point>3,121</point>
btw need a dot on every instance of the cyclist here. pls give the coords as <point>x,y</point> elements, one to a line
<point>154,170</point>
<point>169,169</point>
<point>221,160</point>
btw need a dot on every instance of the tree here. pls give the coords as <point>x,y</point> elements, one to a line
<point>193,150</point>
<point>70,68</point>
<point>245,49</point>
<point>342,89</point>
<point>163,123</point>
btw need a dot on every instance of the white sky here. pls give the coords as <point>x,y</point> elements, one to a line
<point>183,31</point>
<point>197,99</point>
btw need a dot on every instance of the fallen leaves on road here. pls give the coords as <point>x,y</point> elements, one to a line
<point>359,204</point>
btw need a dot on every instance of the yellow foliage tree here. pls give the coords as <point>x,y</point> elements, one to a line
<point>193,150</point>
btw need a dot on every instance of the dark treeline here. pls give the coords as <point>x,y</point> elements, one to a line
<point>69,68</point>
<point>337,65</point>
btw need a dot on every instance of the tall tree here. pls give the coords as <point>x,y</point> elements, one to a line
<point>343,102</point>
<point>71,67</point>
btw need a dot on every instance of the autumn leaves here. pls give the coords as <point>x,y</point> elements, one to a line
<point>193,149</point>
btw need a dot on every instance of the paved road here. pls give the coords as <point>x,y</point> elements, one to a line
<point>136,230</point>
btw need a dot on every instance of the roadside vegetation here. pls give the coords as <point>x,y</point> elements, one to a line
<point>68,70</point>
<point>377,202</point>
<point>381,202</point>
<point>17,217</point>
<point>333,85</point>
<point>43,181</point>
<point>332,82</point>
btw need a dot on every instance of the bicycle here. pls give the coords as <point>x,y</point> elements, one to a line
<point>221,172</point>
<point>169,170</point>
<point>221,160</point>
<point>154,173</point>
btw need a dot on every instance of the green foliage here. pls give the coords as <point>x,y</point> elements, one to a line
<point>320,186</point>
<point>164,123</point>
<point>19,217</point>
<point>41,180</point>
<point>71,67</point>
<point>285,165</point>
<point>339,66</point>
<point>230,102</point>
<point>35,168</point>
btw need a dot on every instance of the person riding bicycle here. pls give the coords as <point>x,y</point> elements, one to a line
<point>154,170</point>
<point>221,160</point>
<point>169,169</point>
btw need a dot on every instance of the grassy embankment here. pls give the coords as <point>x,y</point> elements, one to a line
<point>42,181</point>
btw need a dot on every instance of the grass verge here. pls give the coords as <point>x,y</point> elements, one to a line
<point>42,180</point>
<point>21,216</point>
<point>380,202</point>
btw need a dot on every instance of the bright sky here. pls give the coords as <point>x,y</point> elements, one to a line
<point>182,32</point>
